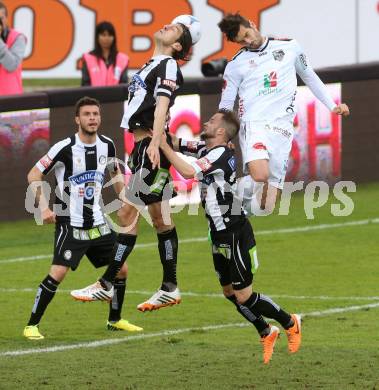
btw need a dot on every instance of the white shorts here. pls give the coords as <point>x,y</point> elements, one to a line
<point>270,141</point>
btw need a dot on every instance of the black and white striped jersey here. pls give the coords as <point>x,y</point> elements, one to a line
<point>216,170</point>
<point>161,76</point>
<point>79,173</point>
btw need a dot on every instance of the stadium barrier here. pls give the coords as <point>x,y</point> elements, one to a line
<point>324,147</point>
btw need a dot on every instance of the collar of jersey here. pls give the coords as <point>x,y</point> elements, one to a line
<point>261,48</point>
<point>160,56</point>
<point>81,143</point>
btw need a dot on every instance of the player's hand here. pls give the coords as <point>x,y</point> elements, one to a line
<point>48,216</point>
<point>341,109</point>
<point>153,154</point>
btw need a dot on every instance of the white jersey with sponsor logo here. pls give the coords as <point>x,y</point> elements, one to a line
<point>265,81</point>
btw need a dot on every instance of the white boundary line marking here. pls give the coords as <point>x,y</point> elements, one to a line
<point>299,229</point>
<point>106,342</point>
<point>215,295</point>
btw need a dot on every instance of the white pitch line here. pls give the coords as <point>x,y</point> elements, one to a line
<point>299,229</point>
<point>216,295</point>
<point>107,342</point>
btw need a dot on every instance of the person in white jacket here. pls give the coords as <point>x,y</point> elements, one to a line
<point>263,75</point>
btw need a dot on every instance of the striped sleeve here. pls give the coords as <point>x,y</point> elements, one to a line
<point>47,162</point>
<point>168,78</point>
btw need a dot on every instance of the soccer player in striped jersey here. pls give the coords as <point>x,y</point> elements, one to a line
<point>232,238</point>
<point>79,163</point>
<point>152,92</point>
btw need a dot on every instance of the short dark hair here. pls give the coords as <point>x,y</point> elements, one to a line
<point>230,25</point>
<point>3,6</point>
<point>231,123</point>
<point>185,41</point>
<point>85,101</point>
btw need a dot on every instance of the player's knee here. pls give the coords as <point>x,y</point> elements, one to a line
<point>243,295</point>
<point>159,223</point>
<point>260,177</point>
<point>126,215</point>
<point>227,291</point>
<point>123,273</point>
<point>58,272</point>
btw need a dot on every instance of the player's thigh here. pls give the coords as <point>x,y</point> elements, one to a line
<point>259,170</point>
<point>101,250</point>
<point>68,250</point>
<point>160,213</point>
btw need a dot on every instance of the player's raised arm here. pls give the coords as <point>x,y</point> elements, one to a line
<point>318,88</point>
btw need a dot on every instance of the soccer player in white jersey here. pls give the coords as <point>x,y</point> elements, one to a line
<point>79,163</point>
<point>263,75</point>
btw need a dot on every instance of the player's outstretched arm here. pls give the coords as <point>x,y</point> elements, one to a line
<point>318,88</point>
<point>185,169</point>
<point>35,177</point>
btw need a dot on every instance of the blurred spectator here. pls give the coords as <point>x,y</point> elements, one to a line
<point>105,65</point>
<point>12,50</point>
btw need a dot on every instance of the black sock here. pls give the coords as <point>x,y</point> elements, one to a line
<point>45,294</point>
<point>260,324</point>
<point>115,306</point>
<point>168,252</point>
<point>124,246</point>
<point>260,304</point>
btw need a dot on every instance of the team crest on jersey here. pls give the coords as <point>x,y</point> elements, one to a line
<point>102,160</point>
<point>278,55</point>
<point>204,164</point>
<point>46,161</point>
<point>89,192</point>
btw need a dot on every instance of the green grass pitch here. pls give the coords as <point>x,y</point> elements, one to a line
<point>331,275</point>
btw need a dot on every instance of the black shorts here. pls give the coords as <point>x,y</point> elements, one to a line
<point>234,251</point>
<point>71,244</point>
<point>147,185</point>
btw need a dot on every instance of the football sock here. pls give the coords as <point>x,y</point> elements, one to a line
<point>45,294</point>
<point>260,324</point>
<point>124,246</point>
<point>168,252</point>
<point>115,306</point>
<point>260,304</point>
